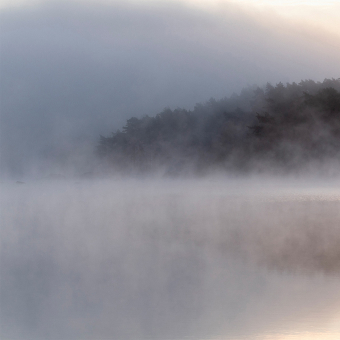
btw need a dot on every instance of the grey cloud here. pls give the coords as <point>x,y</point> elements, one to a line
<point>70,72</point>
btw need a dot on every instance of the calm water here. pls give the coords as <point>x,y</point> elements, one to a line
<point>208,259</point>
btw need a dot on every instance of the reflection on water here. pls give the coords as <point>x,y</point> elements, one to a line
<point>170,260</point>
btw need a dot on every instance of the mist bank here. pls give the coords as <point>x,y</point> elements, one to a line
<point>282,129</point>
<point>278,130</point>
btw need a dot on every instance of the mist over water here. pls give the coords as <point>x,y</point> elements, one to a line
<point>187,248</point>
<point>207,258</point>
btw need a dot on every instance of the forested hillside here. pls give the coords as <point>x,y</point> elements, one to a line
<point>282,127</point>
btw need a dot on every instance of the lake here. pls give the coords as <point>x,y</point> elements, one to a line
<point>170,259</point>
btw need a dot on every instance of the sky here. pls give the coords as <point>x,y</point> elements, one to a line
<point>72,70</point>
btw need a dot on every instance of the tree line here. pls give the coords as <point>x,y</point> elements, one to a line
<point>283,126</point>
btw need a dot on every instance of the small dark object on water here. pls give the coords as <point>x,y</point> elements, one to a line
<point>19,182</point>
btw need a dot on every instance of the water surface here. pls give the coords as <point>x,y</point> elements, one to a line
<point>170,259</point>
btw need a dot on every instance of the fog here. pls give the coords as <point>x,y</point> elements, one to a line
<point>242,250</point>
<point>170,259</point>
<point>71,71</point>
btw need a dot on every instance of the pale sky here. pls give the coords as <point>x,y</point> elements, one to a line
<point>323,13</point>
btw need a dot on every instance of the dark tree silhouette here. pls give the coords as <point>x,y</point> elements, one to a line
<point>286,124</point>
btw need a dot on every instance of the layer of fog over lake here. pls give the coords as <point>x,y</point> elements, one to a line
<point>216,258</point>
<point>91,254</point>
